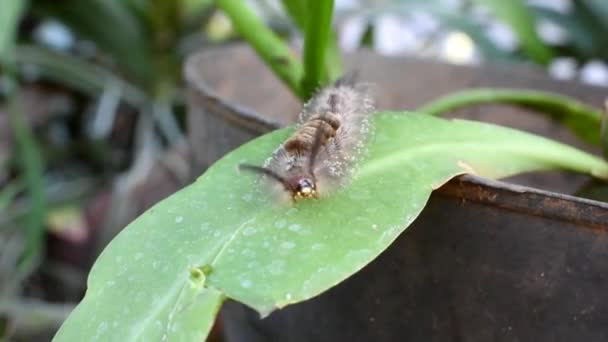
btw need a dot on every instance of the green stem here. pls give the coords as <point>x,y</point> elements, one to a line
<point>298,12</point>
<point>318,28</point>
<point>582,119</point>
<point>333,58</point>
<point>267,45</point>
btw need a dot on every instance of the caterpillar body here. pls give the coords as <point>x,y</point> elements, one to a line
<point>321,154</point>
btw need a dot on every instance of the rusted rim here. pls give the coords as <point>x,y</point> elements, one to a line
<point>237,115</point>
<point>527,200</point>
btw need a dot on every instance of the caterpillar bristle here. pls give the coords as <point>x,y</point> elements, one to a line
<point>323,152</point>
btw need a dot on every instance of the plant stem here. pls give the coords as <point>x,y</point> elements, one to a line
<point>268,46</point>
<point>318,28</point>
<point>298,12</point>
<point>582,119</point>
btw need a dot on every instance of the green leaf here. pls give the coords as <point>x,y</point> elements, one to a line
<point>269,255</point>
<point>581,32</point>
<point>10,14</point>
<point>521,20</point>
<point>31,164</point>
<point>592,15</point>
<point>8,194</point>
<point>583,120</point>
<point>297,11</point>
<point>75,72</point>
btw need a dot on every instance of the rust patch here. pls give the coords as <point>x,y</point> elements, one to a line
<point>528,201</point>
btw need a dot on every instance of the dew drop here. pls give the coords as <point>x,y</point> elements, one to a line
<point>294,227</point>
<point>288,244</point>
<point>249,231</point>
<point>179,219</point>
<point>246,283</point>
<point>276,267</point>
<point>317,246</point>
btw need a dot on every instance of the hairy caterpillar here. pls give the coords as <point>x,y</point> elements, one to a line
<point>329,139</point>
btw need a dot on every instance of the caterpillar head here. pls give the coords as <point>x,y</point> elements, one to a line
<point>299,186</point>
<point>303,187</point>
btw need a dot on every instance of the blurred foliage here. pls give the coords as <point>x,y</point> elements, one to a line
<point>76,79</point>
<point>582,21</point>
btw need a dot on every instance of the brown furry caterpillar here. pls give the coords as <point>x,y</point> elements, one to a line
<point>329,140</point>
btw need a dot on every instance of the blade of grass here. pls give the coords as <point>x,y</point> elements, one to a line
<point>10,14</point>
<point>28,154</point>
<point>31,165</point>
<point>8,194</point>
<point>583,120</point>
<point>316,36</point>
<point>267,45</point>
<point>73,72</point>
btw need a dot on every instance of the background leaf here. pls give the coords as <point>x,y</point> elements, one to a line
<point>112,27</point>
<point>578,28</point>
<point>77,73</point>
<point>269,255</point>
<point>581,119</point>
<point>521,20</point>
<point>10,14</point>
<point>31,163</point>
